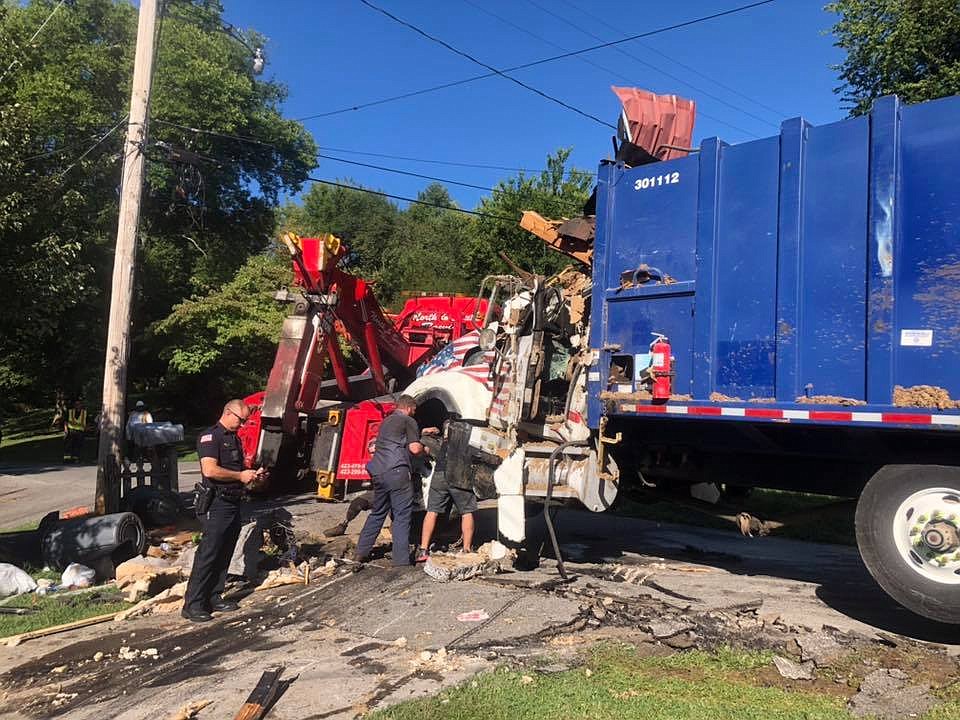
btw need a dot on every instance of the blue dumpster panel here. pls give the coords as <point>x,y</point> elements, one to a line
<point>816,269</point>
<point>746,270</point>
<point>833,261</point>
<point>927,258</point>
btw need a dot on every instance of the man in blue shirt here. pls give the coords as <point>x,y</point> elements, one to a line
<point>390,468</point>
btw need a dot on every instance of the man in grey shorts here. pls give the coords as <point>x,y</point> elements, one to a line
<point>447,490</point>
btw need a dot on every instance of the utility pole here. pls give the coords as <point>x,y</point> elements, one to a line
<point>109,461</point>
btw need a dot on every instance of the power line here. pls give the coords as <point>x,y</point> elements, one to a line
<point>502,218</point>
<point>33,37</point>
<point>443,86</point>
<point>445,162</point>
<point>471,58</point>
<point>241,138</point>
<point>778,113</point>
<point>93,147</point>
<point>615,73</point>
<point>638,59</point>
<point>404,172</point>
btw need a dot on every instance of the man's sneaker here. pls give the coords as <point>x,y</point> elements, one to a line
<point>421,555</point>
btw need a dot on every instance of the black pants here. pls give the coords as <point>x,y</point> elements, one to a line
<point>73,445</point>
<point>391,493</point>
<point>221,528</point>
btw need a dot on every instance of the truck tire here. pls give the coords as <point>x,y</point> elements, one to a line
<point>900,506</point>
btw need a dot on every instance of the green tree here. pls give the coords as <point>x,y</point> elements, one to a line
<point>907,47</point>
<point>428,250</point>
<point>554,193</point>
<point>62,120</point>
<point>366,223</point>
<point>223,344</point>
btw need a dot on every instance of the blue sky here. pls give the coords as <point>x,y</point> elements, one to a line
<point>746,71</point>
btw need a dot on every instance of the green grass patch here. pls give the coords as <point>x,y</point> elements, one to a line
<point>54,609</point>
<point>622,684</point>
<point>831,523</point>
<point>29,526</point>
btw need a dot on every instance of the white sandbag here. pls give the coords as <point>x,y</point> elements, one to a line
<point>77,575</point>
<point>14,581</point>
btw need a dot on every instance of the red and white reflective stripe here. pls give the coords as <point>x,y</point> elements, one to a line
<point>843,416</point>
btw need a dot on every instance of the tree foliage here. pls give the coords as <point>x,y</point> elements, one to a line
<point>63,106</point>
<point>222,344</point>
<point>907,47</point>
<point>555,193</point>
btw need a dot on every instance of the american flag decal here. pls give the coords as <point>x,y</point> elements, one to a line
<point>452,356</point>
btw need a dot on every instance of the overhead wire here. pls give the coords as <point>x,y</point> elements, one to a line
<point>501,73</point>
<point>477,213</point>
<point>242,138</point>
<point>93,147</point>
<point>443,162</point>
<point>728,88</point>
<point>534,63</point>
<point>641,61</point>
<point>35,35</point>
<point>404,172</point>
<point>615,73</point>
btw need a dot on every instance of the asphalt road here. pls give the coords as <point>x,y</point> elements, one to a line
<point>27,493</point>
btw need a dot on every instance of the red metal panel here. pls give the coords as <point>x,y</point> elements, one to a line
<point>658,120</point>
<point>360,429</point>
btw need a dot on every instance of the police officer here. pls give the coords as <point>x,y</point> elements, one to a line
<point>390,468</point>
<point>221,464</point>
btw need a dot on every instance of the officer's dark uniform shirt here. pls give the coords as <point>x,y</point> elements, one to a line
<point>396,432</point>
<point>223,446</point>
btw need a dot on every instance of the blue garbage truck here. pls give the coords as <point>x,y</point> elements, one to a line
<point>780,313</point>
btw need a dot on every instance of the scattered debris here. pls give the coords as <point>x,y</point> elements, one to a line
<point>829,400</point>
<point>14,640</point>
<point>190,710</point>
<point>720,397</point>
<point>792,670</point>
<point>820,648</point>
<point>14,581</point>
<point>473,616</point>
<point>77,576</point>
<point>487,560</point>
<point>664,628</point>
<point>885,695</point>
<point>97,656</point>
<point>262,697</point>
<point>146,576</point>
<point>924,396</point>
<point>170,600</point>
<point>287,575</point>
<point>247,553</point>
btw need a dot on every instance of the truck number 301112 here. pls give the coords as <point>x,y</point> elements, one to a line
<point>657,181</point>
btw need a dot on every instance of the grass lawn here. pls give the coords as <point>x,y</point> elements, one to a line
<point>55,609</point>
<point>726,685</point>
<point>28,440</point>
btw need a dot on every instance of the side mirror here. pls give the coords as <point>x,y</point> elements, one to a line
<point>488,339</point>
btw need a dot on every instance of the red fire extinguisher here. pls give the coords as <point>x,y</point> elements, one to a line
<point>662,367</point>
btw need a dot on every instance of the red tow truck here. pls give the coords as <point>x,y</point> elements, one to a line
<point>304,421</point>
